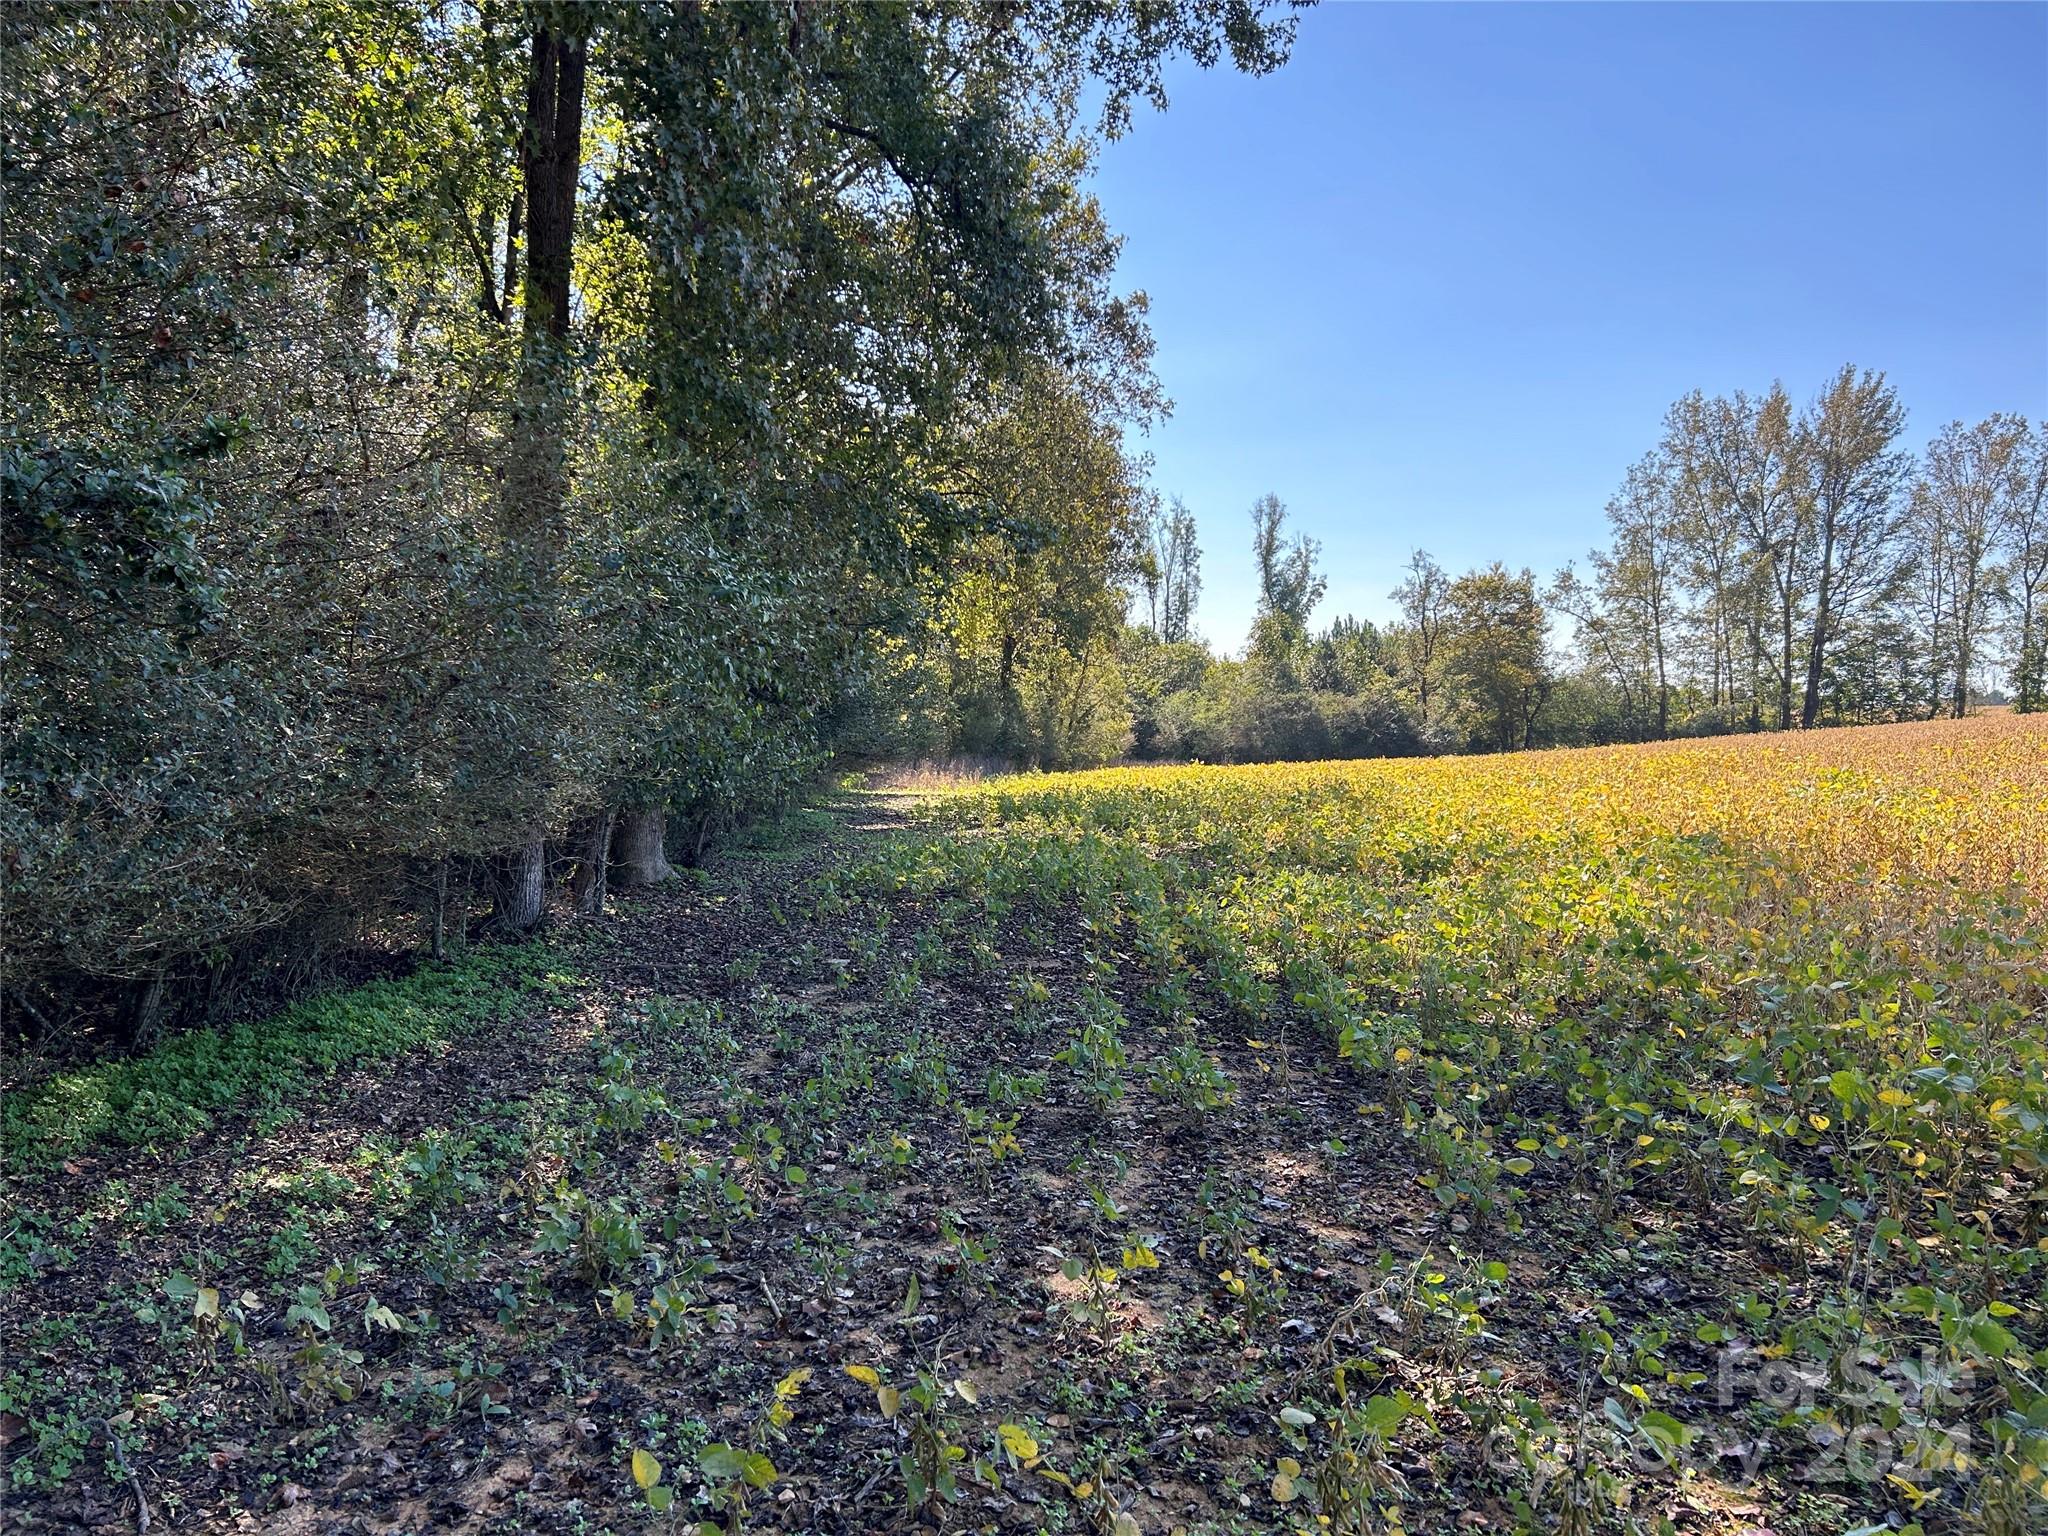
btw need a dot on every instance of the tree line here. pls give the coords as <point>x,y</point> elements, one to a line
<point>1780,567</point>
<point>1768,567</point>
<point>461,453</point>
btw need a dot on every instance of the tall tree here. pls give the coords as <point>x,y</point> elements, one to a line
<point>2026,538</point>
<point>1749,448</point>
<point>1973,479</point>
<point>1638,583</point>
<point>1172,573</point>
<point>1709,537</point>
<point>1857,481</point>
<point>536,478</point>
<point>1029,611</point>
<point>1598,640</point>
<point>1496,643</point>
<point>1290,586</point>
<point>1423,595</point>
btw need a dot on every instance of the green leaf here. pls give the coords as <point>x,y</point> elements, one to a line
<point>1669,1433</point>
<point>1384,1415</point>
<point>722,1463</point>
<point>1994,1339</point>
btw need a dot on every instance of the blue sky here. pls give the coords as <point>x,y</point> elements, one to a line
<point>1435,282</point>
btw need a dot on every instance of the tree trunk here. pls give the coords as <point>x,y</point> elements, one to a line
<point>1727,643</point>
<point>519,887</point>
<point>553,144</point>
<point>1423,657</point>
<point>1756,674</point>
<point>1823,626</point>
<point>1785,674</point>
<point>437,929</point>
<point>1966,609</point>
<point>1809,709</point>
<point>639,847</point>
<point>149,1007</point>
<point>536,483</point>
<point>590,839</point>
<point>2030,669</point>
<point>1663,684</point>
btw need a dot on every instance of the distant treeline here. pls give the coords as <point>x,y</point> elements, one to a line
<point>1769,567</point>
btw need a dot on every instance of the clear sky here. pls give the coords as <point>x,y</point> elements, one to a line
<point>1435,281</point>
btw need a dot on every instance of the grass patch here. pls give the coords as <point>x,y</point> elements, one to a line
<point>178,1088</point>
